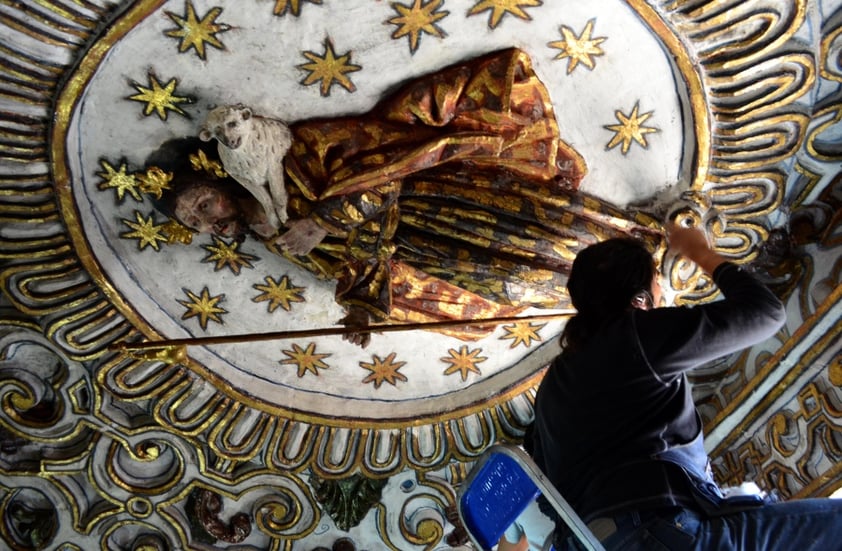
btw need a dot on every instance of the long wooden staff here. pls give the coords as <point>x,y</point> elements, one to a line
<point>173,350</point>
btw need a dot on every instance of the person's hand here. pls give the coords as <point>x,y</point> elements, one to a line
<point>692,243</point>
<point>301,236</point>
<point>357,318</point>
<point>520,545</point>
<point>513,539</point>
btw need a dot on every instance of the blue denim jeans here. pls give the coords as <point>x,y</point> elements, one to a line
<point>798,525</point>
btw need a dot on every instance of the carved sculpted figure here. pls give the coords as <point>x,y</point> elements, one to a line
<point>252,150</point>
<point>453,198</point>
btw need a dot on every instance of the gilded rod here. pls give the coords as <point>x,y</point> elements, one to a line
<point>327,331</point>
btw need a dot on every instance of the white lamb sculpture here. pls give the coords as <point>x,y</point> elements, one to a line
<point>252,150</point>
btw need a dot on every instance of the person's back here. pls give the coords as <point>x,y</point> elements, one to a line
<point>616,430</point>
<point>598,428</point>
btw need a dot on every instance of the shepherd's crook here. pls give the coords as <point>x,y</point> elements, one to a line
<point>172,350</point>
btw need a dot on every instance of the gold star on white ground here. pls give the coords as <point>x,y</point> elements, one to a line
<point>159,99</point>
<point>305,359</point>
<point>383,370</point>
<point>630,129</point>
<point>203,306</point>
<point>417,19</point>
<point>279,293</point>
<point>522,333</point>
<point>578,49</point>
<point>118,180</point>
<point>227,254</point>
<point>145,231</point>
<point>463,361</point>
<point>195,33</point>
<point>328,69</point>
<point>499,8</point>
<point>294,6</point>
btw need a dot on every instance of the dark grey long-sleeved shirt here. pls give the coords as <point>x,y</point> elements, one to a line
<point>602,414</point>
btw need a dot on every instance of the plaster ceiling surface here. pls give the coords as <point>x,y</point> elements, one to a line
<point>259,62</point>
<point>729,100</point>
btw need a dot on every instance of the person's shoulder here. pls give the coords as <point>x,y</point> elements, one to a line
<point>665,321</point>
<point>613,336</point>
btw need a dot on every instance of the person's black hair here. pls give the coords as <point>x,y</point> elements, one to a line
<point>604,279</point>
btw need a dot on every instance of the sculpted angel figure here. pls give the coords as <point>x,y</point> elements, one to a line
<point>453,198</point>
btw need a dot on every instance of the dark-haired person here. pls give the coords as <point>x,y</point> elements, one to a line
<point>454,198</point>
<point>616,429</point>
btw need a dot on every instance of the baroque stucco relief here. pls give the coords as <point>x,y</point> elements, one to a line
<point>133,446</point>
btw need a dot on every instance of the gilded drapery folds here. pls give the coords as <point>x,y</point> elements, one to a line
<point>90,91</point>
<point>461,175</point>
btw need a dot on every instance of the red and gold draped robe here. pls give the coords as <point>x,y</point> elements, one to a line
<point>454,198</point>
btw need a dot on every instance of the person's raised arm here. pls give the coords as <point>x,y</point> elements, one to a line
<point>692,243</point>
<point>677,339</point>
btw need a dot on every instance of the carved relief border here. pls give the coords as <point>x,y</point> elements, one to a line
<point>797,449</point>
<point>43,279</point>
<point>798,258</point>
<point>78,468</point>
<point>753,128</point>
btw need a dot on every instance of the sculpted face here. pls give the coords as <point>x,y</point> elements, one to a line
<point>207,209</point>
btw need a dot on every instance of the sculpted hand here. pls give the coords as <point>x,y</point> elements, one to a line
<point>301,236</point>
<point>356,318</point>
<point>264,229</point>
<point>257,220</point>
